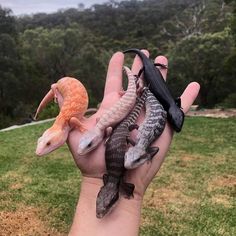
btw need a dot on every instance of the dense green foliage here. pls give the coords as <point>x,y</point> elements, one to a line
<point>193,193</point>
<point>36,50</point>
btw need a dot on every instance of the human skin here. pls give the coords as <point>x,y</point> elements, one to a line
<point>124,218</point>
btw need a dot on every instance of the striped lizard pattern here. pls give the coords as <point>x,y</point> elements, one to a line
<point>111,117</point>
<point>116,147</point>
<point>151,128</point>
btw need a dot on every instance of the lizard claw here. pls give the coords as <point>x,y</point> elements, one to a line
<point>133,126</point>
<point>152,151</point>
<point>127,189</point>
<point>75,123</point>
<point>108,133</point>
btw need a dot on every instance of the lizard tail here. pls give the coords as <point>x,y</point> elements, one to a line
<point>48,97</point>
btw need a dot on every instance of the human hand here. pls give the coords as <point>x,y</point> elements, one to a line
<point>93,164</point>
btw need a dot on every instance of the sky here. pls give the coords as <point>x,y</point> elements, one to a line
<point>20,7</point>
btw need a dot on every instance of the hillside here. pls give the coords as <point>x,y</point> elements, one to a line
<point>197,36</point>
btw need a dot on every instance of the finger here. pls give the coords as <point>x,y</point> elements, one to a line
<point>162,60</point>
<point>114,73</point>
<point>137,64</point>
<point>189,95</point>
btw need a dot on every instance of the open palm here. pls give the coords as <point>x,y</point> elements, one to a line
<point>93,164</point>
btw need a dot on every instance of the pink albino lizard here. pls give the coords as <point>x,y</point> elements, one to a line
<point>74,106</point>
<point>111,117</point>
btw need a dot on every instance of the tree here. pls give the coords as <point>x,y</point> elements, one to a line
<point>91,70</point>
<point>50,54</point>
<point>202,59</point>
<point>9,66</point>
<point>7,22</point>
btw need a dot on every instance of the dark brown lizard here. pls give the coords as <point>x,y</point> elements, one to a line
<point>116,147</point>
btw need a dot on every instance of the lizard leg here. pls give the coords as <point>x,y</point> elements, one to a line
<point>76,123</point>
<point>108,133</point>
<point>178,102</point>
<point>57,97</point>
<point>55,92</point>
<point>133,126</point>
<point>127,189</point>
<point>121,92</point>
<point>97,119</point>
<point>139,81</point>
<point>105,179</point>
<point>139,84</point>
<point>151,152</point>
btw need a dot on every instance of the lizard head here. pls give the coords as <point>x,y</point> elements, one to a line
<point>136,156</point>
<point>106,198</point>
<point>133,157</point>
<point>51,140</point>
<point>89,141</point>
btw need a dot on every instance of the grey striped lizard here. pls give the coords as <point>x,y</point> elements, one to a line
<point>151,128</point>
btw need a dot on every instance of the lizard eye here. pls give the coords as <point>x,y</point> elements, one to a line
<point>48,143</point>
<point>90,144</point>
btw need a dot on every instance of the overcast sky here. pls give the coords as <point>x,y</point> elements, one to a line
<point>32,6</point>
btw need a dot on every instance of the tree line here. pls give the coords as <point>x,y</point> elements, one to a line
<point>197,36</point>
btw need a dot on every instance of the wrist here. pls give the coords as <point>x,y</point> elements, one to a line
<point>91,186</point>
<point>125,214</point>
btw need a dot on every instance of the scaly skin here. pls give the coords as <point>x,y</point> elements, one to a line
<point>75,104</point>
<point>151,128</point>
<point>116,147</point>
<point>159,88</point>
<point>111,117</point>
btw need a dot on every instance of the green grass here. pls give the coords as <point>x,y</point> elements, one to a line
<point>49,183</point>
<point>196,186</point>
<point>193,194</point>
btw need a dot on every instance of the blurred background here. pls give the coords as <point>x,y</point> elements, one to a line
<point>41,42</point>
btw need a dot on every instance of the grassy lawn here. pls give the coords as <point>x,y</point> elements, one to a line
<point>193,194</point>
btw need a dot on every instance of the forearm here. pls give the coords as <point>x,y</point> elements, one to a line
<point>123,218</point>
